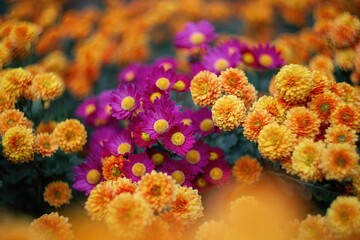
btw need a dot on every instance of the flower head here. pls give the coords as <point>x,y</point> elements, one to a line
<point>120,144</point>
<point>112,167</point>
<point>340,134</point>
<point>179,170</point>
<point>46,127</point>
<point>345,30</point>
<point>163,79</point>
<point>216,153</point>
<point>254,123</point>
<point>124,102</point>
<point>321,63</point>
<point>180,139</point>
<point>158,157</point>
<point>218,60</point>
<point>205,88</point>
<point>267,57</point>
<point>314,227</point>
<point>322,83</point>
<point>233,81</point>
<point>272,105</point>
<point>182,83</point>
<point>247,170</point>
<point>324,105</point>
<point>130,74</point>
<point>87,110</point>
<point>198,157</point>
<point>16,81</point>
<point>48,86</point>
<point>45,144</point>
<point>303,122</point>
<point>70,135</point>
<point>217,172</point>
<point>202,122</point>
<point>57,193</point>
<point>11,118</point>
<point>346,114</point>
<point>137,166</point>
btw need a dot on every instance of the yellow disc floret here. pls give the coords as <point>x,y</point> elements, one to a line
<point>127,103</point>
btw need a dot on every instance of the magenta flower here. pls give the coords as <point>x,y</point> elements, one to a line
<point>180,139</point>
<point>103,114</point>
<point>163,80</point>
<point>125,101</point>
<point>130,73</point>
<point>120,144</point>
<point>166,63</point>
<point>202,122</point>
<point>267,57</point>
<point>158,157</point>
<point>218,60</point>
<point>137,166</point>
<point>201,184</point>
<point>87,110</point>
<point>180,171</point>
<point>216,153</point>
<point>217,172</point>
<point>142,139</point>
<point>151,94</point>
<point>197,157</point>
<point>182,83</point>
<point>233,46</point>
<point>100,137</point>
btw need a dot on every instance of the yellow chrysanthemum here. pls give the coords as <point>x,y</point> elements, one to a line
<point>272,106</point>
<point>11,118</point>
<point>128,215</point>
<point>306,159</point>
<point>233,81</point>
<point>51,227</point>
<point>254,123</point>
<point>294,83</point>
<point>228,112</point>
<point>302,122</point>
<point>57,193</point>
<point>19,144</point>
<point>347,114</point>
<point>276,142</point>
<point>314,227</point>
<point>322,83</point>
<point>343,215</point>
<point>46,127</point>
<point>158,189</point>
<point>345,59</point>
<point>45,144</point>
<point>205,88</point>
<point>48,86</point>
<point>341,134</point>
<point>5,54</point>
<point>56,61</point>
<point>112,167</point>
<point>212,231</point>
<point>321,63</point>
<point>249,95</point>
<point>247,170</point>
<point>346,92</point>
<point>7,100</point>
<point>345,30</point>
<point>324,104</point>
<point>70,135</point>
<point>16,81</point>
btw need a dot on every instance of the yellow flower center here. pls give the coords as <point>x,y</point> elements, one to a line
<point>221,64</point>
<point>248,58</point>
<point>341,161</point>
<point>341,138</point>
<point>158,158</point>
<point>154,96</point>
<point>156,190</point>
<point>93,176</point>
<point>206,125</point>
<point>216,174</point>
<point>166,66</point>
<point>187,121</point>
<point>308,160</point>
<point>107,109</point>
<point>213,156</point>
<point>145,137</point>
<point>179,86</point>
<point>161,126</point>
<point>178,139</point>
<point>192,156</point>
<point>163,83</point>
<point>127,103</point>
<point>265,60</point>
<point>129,77</point>
<point>138,169</point>
<point>178,176</point>
<point>115,171</point>
<point>201,183</point>
<point>231,50</point>
<point>325,107</point>
<point>124,148</point>
<point>91,108</point>
<point>197,38</point>
<point>203,88</point>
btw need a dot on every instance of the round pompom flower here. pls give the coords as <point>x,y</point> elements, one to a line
<point>217,172</point>
<point>314,227</point>
<point>128,215</point>
<point>343,215</point>
<point>11,118</point>
<point>272,106</point>
<point>249,95</point>
<point>120,144</point>
<point>276,142</point>
<point>19,144</point>
<point>340,134</point>
<point>51,227</point>
<point>57,193</point>
<point>233,81</point>
<point>339,161</point>
<point>45,144</point>
<point>70,135</point>
<point>345,30</point>
<point>347,114</point>
<point>137,166</point>
<point>48,86</point>
<point>321,63</point>
<point>322,83</point>
<point>254,123</point>
<point>179,170</point>
<point>294,83</point>
<point>202,122</point>
<point>112,167</point>
<point>16,81</point>
<point>46,127</point>
<point>324,105</point>
<point>303,122</point>
<point>247,170</point>
<point>158,189</point>
<point>7,100</point>
<point>228,112</point>
<point>198,157</point>
<point>124,101</point>
<point>306,159</point>
<point>205,88</point>
<point>180,139</point>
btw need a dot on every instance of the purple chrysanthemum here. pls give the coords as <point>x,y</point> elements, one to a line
<point>267,57</point>
<point>218,60</point>
<point>186,117</point>
<point>217,172</point>
<point>180,171</point>
<point>120,144</point>
<point>151,94</point>
<point>196,68</point>
<point>130,73</point>
<point>202,122</point>
<point>216,153</point>
<point>125,101</point>
<point>100,137</point>
<point>180,139</point>
<point>233,46</point>
<point>163,80</point>
<point>158,157</point>
<point>166,63</point>
<point>142,139</point>
<point>103,114</point>
<point>201,184</point>
<point>137,166</point>
<point>197,157</point>
<point>248,57</point>
<point>182,83</point>
<point>87,110</point>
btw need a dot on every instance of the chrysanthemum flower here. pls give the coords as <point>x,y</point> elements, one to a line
<point>159,229</point>
<point>347,114</point>
<point>216,153</point>
<point>314,227</point>
<point>272,106</point>
<point>120,144</point>
<point>267,57</point>
<point>303,122</point>
<point>16,81</point>
<point>46,127</point>
<point>247,170</point>
<point>179,139</point>
<point>197,157</point>
<point>51,227</point>
<point>88,111</point>
<point>158,189</point>
<point>218,59</point>
<point>212,230</point>
<point>205,88</point>
<point>345,30</point>
<point>137,166</point>
<point>343,215</point>
<point>182,83</point>
<point>346,92</point>
<point>7,100</point>
<point>254,123</point>
<point>202,122</point>
<point>158,157</point>
<point>112,167</point>
<point>175,223</point>
<point>152,93</point>
<point>142,139</point>
<point>163,79</point>
<point>324,104</point>
<point>340,134</point>
<point>11,118</point>
<point>124,101</point>
<point>233,81</point>
<point>101,196</point>
<point>294,83</point>
<point>306,159</point>
<point>217,172</point>
<point>187,205</point>
<point>276,142</point>
<point>45,144</point>
<point>19,144</point>
<point>249,95</point>
<point>321,63</point>
<point>179,170</point>
<point>130,73</point>
<point>48,86</point>
<point>70,135</point>
<point>345,59</point>
<point>228,112</point>
<point>128,215</point>
<point>322,83</point>
<point>57,193</point>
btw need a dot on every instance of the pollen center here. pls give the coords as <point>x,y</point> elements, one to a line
<point>341,138</point>
<point>163,83</point>
<point>93,176</point>
<point>178,176</point>
<point>90,109</point>
<point>179,86</point>
<point>138,169</point>
<point>201,183</point>
<point>324,107</point>
<point>192,156</point>
<point>124,148</point>
<point>186,121</point>
<point>216,174</point>
<point>178,139</point>
<point>248,58</point>
<point>154,96</point>
<point>265,60</point>
<point>221,64</point>
<point>127,103</point>
<point>213,156</point>
<point>161,126</point>
<point>197,38</point>
<point>158,158</point>
<point>206,125</point>
<point>145,137</point>
<point>203,88</point>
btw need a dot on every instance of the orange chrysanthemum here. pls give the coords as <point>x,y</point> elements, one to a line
<point>112,167</point>
<point>129,215</point>
<point>340,134</point>
<point>7,101</point>
<point>101,196</point>
<point>19,144</point>
<point>321,83</point>
<point>158,189</point>
<point>24,33</point>
<point>306,159</point>
<point>46,127</point>
<point>321,63</point>
<point>45,144</point>
<point>294,83</point>
<point>247,170</point>
<point>57,193</point>
<point>249,95</point>
<point>343,215</point>
<point>16,81</point>
<point>339,161</point>
<point>303,122</point>
<point>345,59</point>
<point>70,135</point>
<point>228,112</point>
<point>347,114</point>
<point>11,118</point>
<point>276,142</point>
<point>272,105</point>
<point>175,223</point>
<point>346,92</point>
<point>345,30</point>
<point>314,227</point>
<point>5,54</point>
<point>56,61</point>
<point>233,81</point>
<point>187,204</point>
<point>205,88</point>
<point>51,227</point>
<point>324,104</point>
<point>254,123</point>
<point>48,86</point>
